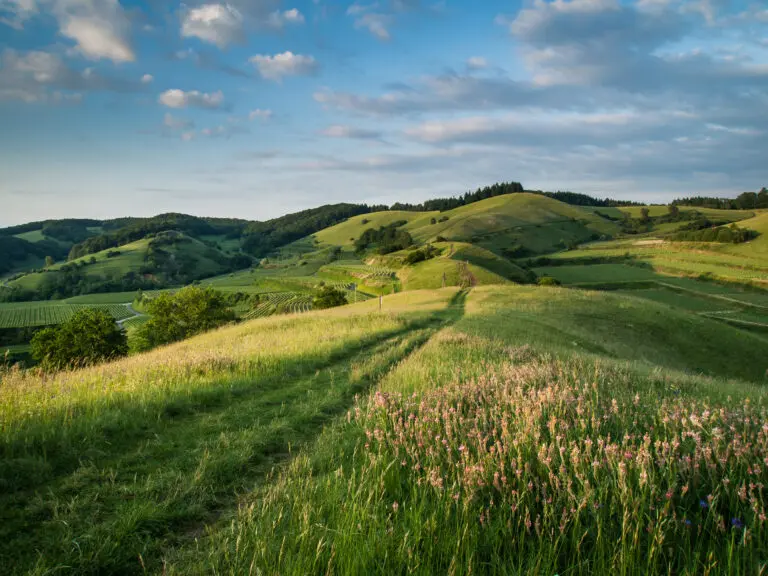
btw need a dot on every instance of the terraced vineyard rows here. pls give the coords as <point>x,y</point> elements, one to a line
<point>135,322</point>
<point>280,303</point>
<point>45,314</point>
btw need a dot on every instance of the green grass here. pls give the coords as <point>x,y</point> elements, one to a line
<point>347,232</point>
<point>430,274</point>
<point>107,298</point>
<point>245,451</point>
<point>597,273</point>
<point>536,222</point>
<point>131,259</point>
<point>215,412</point>
<point>682,301</point>
<point>32,236</point>
<point>483,453</point>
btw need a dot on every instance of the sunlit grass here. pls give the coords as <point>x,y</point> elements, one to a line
<point>504,460</point>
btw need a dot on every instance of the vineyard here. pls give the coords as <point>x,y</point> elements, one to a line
<point>362,271</point>
<point>135,322</point>
<point>280,303</point>
<point>46,314</point>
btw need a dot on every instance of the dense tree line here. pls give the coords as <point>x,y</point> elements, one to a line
<point>15,251</point>
<point>42,224</point>
<point>443,204</point>
<point>142,228</point>
<point>577,199</point>
<point>386,239</point>
<point>504,188</point>
<point>744,201</point>
<point>727,235</point>
<point>261,238</point>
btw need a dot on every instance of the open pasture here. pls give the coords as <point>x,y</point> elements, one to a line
<point>597,273</point>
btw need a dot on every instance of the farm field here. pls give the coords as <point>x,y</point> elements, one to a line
<point>597,273</point>
<point>452,422</point>
<point>679,300</point>
<point>19,315</point>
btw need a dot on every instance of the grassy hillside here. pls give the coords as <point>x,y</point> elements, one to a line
<point>346,233</point>
<point>165,259</point>
<point>537,223</point>
<point>512,428</point>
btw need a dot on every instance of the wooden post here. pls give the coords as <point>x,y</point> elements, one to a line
<point>381,299</point>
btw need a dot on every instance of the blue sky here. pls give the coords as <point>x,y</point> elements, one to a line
<point>256,108</point>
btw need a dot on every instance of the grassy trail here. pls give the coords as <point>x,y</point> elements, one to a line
<point>123,507</point>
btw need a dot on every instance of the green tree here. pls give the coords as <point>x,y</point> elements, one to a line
<point>329,297</point>
<point>89,337</point>
<point>674,211</point>
<point>49,261</point>
<point>644,214</point>
<point>725,235</point>
<point>190,311</point>
<point>547,281</point>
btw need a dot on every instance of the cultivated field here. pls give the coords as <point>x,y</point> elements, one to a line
<point>23,314</point>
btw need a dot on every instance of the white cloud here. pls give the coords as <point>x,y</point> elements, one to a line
<point>224,131</point>
<point>15,13</point>
<point>376,24</point>
<point>147,79</point>
<point>367,17</point>
<point>100,28</point>
<point>225,23</point>
<point>477,63</point>
<point>285,64</point>
<point>341,131</point>
<point>174,123</point>
<point>279,19</point>
<point>176,98</point>
<point>38,76</point>
<point>260,114</point>
<point>219,24</point>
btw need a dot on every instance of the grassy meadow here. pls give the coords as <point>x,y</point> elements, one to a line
<point>502,430</point>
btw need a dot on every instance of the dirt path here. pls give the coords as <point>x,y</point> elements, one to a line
<point>133,311</point>
<point>155,487</point>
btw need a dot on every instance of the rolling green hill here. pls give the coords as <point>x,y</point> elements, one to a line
<point>535,223</point>
<point>170,258</point>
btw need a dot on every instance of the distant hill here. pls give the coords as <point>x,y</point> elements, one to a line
<point>514,225</point>
<point>497,225</point>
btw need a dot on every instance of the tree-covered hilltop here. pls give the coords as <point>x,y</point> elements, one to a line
<point>141,228</point>
<point>261,238</point>
<point>744,201</point>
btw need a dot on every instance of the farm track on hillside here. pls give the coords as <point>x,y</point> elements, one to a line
<point>274,418</point>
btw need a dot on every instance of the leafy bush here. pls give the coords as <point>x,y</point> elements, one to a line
<point>89,337</point>
<point>547,281</point>
<point>425,253</point>
<point>726,235</point>
<point>387,238</point>
<point>329,297</point>
<point>189,311</point>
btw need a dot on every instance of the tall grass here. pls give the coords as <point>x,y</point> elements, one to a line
<point>533,465</point>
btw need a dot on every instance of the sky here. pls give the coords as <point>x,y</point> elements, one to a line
<point>257,108</point>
